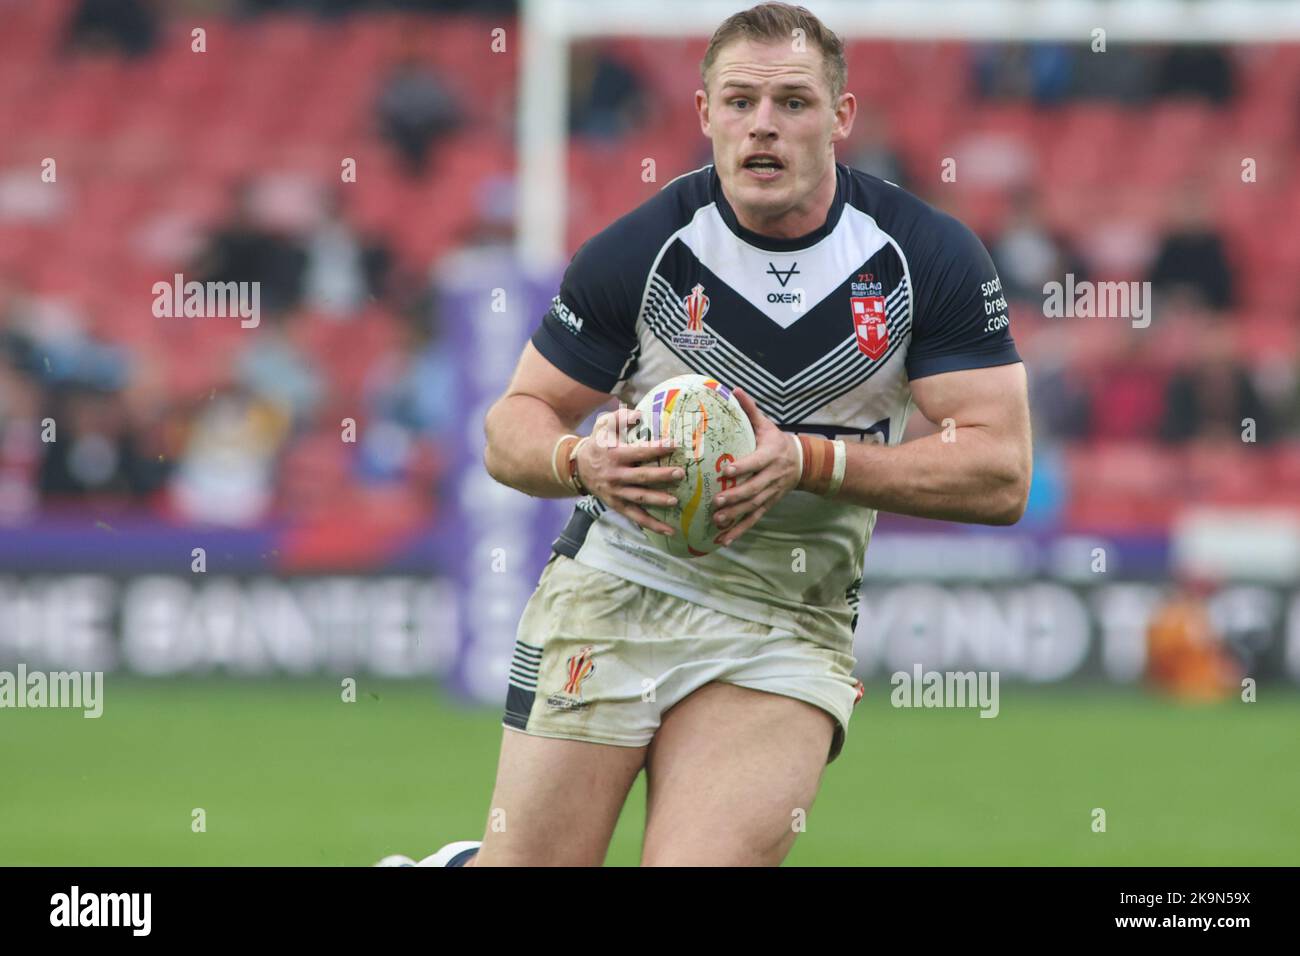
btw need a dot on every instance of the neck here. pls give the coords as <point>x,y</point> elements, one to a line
<point>796,221</point>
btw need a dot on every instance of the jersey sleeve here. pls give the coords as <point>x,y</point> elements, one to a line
<point>962,320</point>
<point>589,333</point>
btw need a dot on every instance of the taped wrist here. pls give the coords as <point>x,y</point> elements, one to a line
<point>564,463</point>
<point>824,462</point>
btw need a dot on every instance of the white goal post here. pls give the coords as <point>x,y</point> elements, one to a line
<point>550,26</point>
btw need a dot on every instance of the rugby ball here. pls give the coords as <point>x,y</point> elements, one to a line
<point>711,430</point>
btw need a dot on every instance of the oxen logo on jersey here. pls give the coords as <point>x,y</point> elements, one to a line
<point>697,306</point>
<point>783,277</point>
<point>869,324</point>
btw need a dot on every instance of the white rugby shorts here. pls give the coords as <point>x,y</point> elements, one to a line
<point>601,658</point>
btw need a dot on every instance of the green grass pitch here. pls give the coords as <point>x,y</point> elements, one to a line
<point>288,774</point>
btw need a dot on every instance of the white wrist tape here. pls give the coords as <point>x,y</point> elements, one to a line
<point>560,479</point>
<point>837,469</point>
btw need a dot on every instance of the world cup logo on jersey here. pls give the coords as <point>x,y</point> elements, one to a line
<point>697,306</point>
<point>580,668</point>
<point>869,324</point>
<point>697,303</point>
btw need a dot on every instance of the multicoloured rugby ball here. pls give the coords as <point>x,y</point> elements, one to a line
<point>711,430</point>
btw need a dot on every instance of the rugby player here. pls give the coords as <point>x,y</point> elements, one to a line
<point>832,302</point>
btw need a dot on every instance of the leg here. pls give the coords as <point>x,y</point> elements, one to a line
<point>556,801</point>
<point>726,773</point>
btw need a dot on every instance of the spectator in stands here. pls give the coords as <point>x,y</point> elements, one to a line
<point>1039,72</point>
<point>343,270</point>
<point>1123,74</point>
<point>1196,71</point>
<point>411,396</point>
<point>248,250</point>
<point>128,26</point>
<point>96,452</point>
<point>226,474</point>
<point>1192,255</point>
<point>1186,654</point>
<point>46,337</point>
<point>273,369</point>
<point>1210,397</point>
<point>56,370</point>
<point>411,390</point>
<point>874,153</point>
<point>1059,395</point>
<point>1127,391</point>
<point>20,415</point>
<point>414,108</point>
<point>1028,254</point>
<point>606,97</point>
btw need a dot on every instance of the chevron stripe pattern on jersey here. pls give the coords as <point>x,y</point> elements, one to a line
<point>838,372</point>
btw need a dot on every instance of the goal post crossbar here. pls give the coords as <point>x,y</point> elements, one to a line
<point>550,27</point>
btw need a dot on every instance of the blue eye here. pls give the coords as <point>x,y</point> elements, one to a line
<point>792,101</point>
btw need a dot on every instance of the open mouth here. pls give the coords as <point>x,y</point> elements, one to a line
<point>764,167</point>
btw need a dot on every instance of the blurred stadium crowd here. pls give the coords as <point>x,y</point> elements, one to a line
<point>1116,166</point>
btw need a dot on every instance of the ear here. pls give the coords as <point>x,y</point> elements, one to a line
<point>702,109</point>
<point>846,108</point>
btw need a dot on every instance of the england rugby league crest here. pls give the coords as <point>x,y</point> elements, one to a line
<point>869,325</point>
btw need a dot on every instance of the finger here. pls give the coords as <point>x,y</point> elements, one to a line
<point>643,451</point>
<point>755,461</point>
<point>646,521</point>
<point>750,406</point>
<point>645,496</point>
<point>732,507</point>
<point>604,430</point>
<point>646,475</point>
<point>614,429</point>
<point>628,417</point>
<point>736,499</point>
<point>724,538</point>
<point>739,468</point>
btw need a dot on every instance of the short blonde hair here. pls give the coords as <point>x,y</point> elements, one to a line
<point>776,23</point>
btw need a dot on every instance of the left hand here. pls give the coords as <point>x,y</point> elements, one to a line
<point>763,476</point>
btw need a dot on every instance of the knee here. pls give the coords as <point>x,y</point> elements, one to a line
<point>768,848</point>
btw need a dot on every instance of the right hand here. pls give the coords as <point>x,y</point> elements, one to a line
<point>612,469</point>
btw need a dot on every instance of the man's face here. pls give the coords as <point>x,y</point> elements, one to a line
<point>771,99</point>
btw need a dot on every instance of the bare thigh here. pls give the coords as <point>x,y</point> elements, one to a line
<point>556,801</point>
<point>731,775</point>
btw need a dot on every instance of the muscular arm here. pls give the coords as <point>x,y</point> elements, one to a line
<point>540,404</point>
<point>980,475</point>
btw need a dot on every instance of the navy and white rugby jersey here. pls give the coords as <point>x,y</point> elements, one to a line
<point>825,332</point>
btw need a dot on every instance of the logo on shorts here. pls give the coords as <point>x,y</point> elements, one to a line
<point>580,666</point>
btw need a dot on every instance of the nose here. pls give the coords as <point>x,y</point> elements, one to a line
<point>764,114</point>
